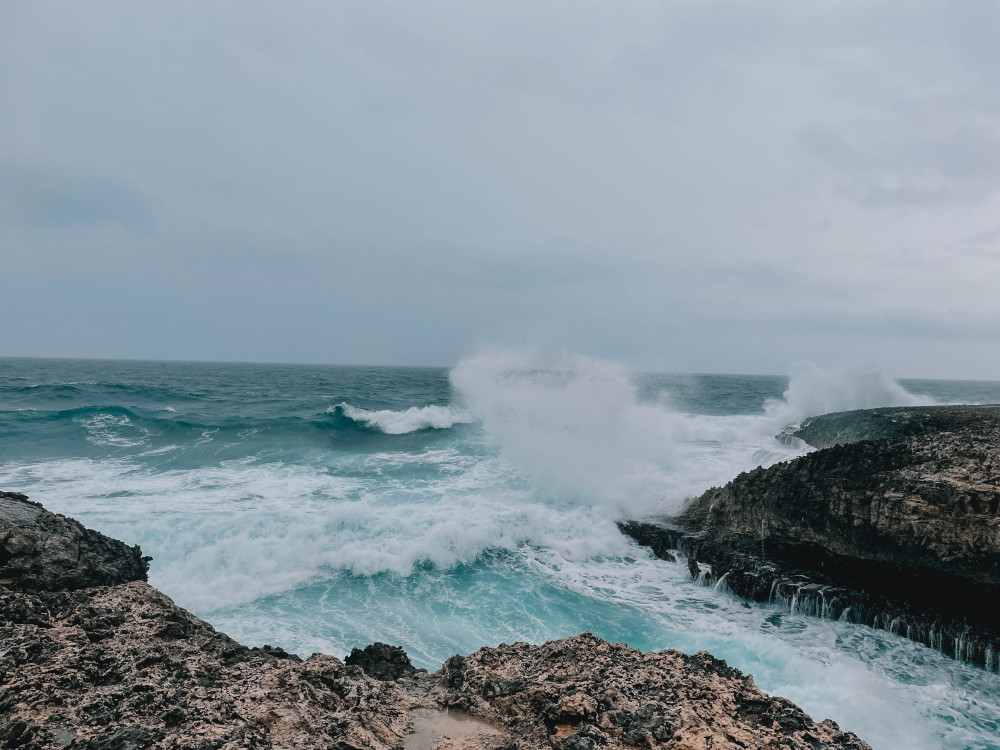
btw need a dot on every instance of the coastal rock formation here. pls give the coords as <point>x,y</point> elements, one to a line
<point>121,667</point>
<point>895,422</point>
<point>381,661</point>
<point>581,693</point>
<point>42,551</point>
<point>898,526</point>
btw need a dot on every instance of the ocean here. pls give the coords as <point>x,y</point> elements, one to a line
<point>318,508</point>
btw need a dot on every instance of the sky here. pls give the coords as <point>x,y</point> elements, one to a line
<point>685,186</point>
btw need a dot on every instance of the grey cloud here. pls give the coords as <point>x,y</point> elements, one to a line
<point>36,196</point>
<point>685,185</point>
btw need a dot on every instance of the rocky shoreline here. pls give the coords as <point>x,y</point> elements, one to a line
<point>92,656</point>
<point>894,522</point>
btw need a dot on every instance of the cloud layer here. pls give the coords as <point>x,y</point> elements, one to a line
<point>684,185</point>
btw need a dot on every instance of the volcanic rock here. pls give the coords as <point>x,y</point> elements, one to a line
<point>381,661</point>
<point>895,521</point>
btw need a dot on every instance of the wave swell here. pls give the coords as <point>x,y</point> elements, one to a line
<point>402,422</point>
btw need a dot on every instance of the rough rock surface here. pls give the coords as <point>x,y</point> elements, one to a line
<point>43,551</point>
<point>928,501</point>
<point>581,693</point>
<point>381,661</point>
<point>121,667</point>
<point>895,422</point>
<point>903,530</point>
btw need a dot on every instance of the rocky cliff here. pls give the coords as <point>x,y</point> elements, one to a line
<point>116,665</point>
<point>894,521</point>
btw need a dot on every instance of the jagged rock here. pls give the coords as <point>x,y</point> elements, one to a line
<point>381,661</point>
<point>927,502</point>
<point>901,530</point>
<point>124,667</point>
<point>42,551</point>
<point>582,693</point>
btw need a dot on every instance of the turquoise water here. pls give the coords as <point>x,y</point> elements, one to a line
<point>321,508</point>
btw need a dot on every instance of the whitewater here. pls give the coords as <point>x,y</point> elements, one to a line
<point>320,508</point>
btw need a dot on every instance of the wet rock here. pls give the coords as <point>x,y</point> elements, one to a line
<point>894,522</point>
<point>894,423</point>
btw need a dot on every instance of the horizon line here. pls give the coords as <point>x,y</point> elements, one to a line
<point>413,367</point>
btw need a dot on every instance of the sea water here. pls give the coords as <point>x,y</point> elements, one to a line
<point>320,508</point>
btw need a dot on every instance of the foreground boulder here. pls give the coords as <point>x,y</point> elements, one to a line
<point>582,693</point>
<point>895,521</point>
<point>42,551</point>
<point>121,667</point>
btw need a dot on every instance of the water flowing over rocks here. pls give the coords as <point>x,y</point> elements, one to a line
<point>893,522</point>
<point>116,665</point>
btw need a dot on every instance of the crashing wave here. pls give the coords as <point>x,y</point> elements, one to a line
<point>402,422</point>
<point>813,390</point>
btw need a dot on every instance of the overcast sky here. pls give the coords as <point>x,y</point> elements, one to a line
<point>682,186</point>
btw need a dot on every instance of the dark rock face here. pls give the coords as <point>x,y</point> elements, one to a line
<point>42,551</point>
<point>895,422</point>
<point>381,661</point>
<point>901,531</point>
<point>581,693</point>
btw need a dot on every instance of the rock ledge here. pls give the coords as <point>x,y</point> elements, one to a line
<point>893,522</point>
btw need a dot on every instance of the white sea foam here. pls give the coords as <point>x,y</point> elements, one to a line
<point>114,430</point>
<point>226,535</point>
<point>813,390</point>
<point>572,426</point>
<point>575,428</point>
<point>402,422</point>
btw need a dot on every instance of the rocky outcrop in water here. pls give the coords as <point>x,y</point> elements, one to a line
<point>121,667</point>
<point>897,526</point>
<point>895,422</point>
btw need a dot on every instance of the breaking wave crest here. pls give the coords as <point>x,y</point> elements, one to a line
<point>402,422</point>
<point>576,428</point>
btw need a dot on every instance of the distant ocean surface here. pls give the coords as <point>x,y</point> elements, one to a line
<point>320,508</point>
